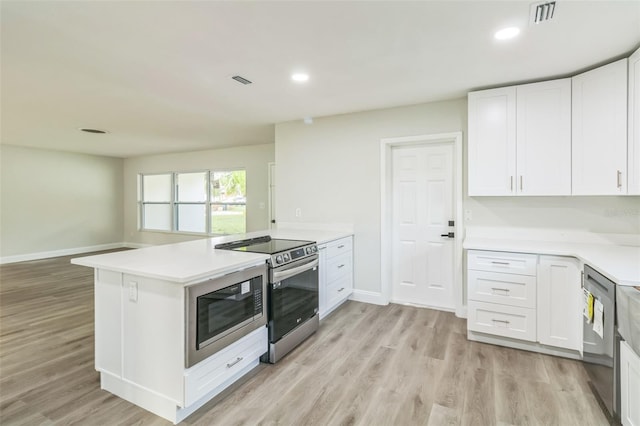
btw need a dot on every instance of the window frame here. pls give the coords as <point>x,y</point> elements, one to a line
<point>177,204</point>
<point>210,217</point>
<point>144,203</point>
<point>174,203</point>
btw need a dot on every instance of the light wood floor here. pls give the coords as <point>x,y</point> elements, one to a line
<point>367,365</point>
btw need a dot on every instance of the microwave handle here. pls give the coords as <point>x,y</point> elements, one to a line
<point>283,275</point>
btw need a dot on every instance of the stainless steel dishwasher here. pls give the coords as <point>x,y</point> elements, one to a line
<point>600,353</point>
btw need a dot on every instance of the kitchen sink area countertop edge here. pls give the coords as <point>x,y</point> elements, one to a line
<point>618,263</point>
<point>192,261</point>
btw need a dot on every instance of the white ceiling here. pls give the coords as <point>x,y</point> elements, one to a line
<point>157,75</point>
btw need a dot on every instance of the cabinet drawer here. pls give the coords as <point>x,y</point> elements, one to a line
<point>496,261</point>
<point>222,366</point>
<point>339,290</point>
<point>506,289</point>
<point>502,320</point>
<point>338,247</point>
<point>338,267</point>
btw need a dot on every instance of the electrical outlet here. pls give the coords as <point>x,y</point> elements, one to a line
<point>133,291</point>
<point>298,212</point>
<point>468,215</point>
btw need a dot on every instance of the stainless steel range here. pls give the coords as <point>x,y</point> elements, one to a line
<point>292,292</point>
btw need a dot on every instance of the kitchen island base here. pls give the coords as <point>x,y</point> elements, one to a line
<point>140,343</point>
<point>202,382</point>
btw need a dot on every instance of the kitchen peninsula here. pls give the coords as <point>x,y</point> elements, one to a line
<point>141,317</point>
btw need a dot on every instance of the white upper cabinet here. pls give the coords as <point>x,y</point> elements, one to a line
<point>520,140</point>
<point>634,125</point>
<point>492,137</point>
<point>599,126</point>
<point>543,149</point>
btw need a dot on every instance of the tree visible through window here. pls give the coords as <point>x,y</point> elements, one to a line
<point>181,202</point>
<point>228,202</point>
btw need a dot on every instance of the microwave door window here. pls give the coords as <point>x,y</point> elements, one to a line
<point>220,311</point>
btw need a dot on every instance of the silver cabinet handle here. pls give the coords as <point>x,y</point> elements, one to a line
<point>340,289</point>
<point>500,263</point>
<point>341,246</point>
<point>506,290</point>
<point>511,183</point>
<point>520,182</point>
<point>619,176</point>
<point>231,364</point>
<point>500,321</point>
<point>341,266</point>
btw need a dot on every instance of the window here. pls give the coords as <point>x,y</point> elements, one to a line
<point>156,202</point>
<point>191,202</point>
<point>207,202</point>
<point>228,202</point>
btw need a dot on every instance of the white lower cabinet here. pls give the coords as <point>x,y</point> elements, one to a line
<point>215,372</point>
<point>336,274</point>
<point>526,298</point>
<point>559,314</point>
<point>502,320</point>
<point>629,386</point>
<point>501,293</point>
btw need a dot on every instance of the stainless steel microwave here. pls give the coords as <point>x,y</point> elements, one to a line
<point>222,310</point>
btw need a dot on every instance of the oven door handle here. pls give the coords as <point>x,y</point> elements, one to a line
<point>283,275</point>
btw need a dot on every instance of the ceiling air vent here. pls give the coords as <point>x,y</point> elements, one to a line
<point>241,79</point>
<point>542,12</point>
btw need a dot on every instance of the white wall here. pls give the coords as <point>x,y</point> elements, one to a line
<point>55,201</point>
<point>254,159</point>
<point>331,171</point>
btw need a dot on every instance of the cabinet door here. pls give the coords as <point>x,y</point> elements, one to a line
<point>599,126</point>
<point>559,314</point>
<point>492,142</point>
<point>629,386</point>
<point>634,125</point>
<point>543,122</point>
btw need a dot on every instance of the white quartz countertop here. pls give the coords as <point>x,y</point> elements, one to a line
<point>193,261</point>
<point>183,263</point>
<point>619,263</point>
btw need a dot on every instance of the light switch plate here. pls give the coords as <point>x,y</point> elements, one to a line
<point>133,291</point>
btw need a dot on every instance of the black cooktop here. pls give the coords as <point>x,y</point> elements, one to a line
<point>266,245</point>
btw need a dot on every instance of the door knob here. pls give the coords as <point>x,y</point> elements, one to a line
<point>449,235</point>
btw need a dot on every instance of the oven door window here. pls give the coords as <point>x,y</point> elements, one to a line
<point>293,301</point>
<point>226,310</point>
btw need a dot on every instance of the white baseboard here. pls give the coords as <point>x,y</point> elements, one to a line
<point>58,253</point>
<point>368,297</point>
<point>522,344</point>
<point>136,245</point>
<point>461,311</point>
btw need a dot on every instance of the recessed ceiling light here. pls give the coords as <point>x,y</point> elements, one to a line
<point>300,77</point>
<point>507,33</point>
<point>97,131</point>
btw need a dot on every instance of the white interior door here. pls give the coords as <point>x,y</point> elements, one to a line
<point>423,205</point>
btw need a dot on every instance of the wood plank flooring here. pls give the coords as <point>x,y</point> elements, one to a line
<point>367,365</point>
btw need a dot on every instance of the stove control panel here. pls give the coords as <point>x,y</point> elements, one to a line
<point>283,258</point>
